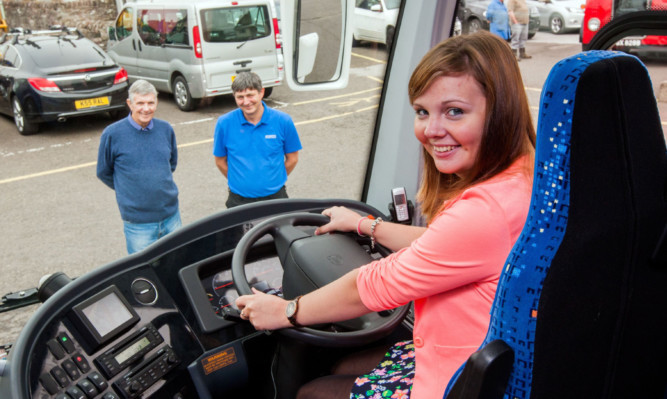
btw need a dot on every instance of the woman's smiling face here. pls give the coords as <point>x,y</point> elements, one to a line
<point>449,122</point>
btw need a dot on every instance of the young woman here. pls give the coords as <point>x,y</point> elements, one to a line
<point>473,120</point>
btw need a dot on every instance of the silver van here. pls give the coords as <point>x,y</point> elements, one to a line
<point>194,50</point>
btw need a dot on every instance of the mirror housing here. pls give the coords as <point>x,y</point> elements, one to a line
<point>112,33</point>
<point>317,43</point>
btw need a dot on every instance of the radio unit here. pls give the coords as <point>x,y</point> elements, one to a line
<point>134,383</point>
<point>129,350</point>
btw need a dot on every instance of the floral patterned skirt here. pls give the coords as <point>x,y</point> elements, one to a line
<point>392,378</point>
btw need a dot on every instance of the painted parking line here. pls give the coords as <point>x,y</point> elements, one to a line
<point>48,172</point>
<point>369,58</point>
<point>322,99</point>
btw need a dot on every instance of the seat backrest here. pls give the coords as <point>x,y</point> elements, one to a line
<point>582,299</point>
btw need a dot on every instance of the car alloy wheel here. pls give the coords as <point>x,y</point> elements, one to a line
<point>182,95</point>
<point>390,36</point>
<point>556,24</point>
<point>474,25</point>
<point>24,127</point>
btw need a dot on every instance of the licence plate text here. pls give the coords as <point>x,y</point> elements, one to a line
<point>91,102</point>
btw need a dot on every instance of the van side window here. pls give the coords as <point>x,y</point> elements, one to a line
<point>367,4</point>
<point>235,24</point>
<point>176,27</point>
<point>151,27</point>
<point>124,24</point>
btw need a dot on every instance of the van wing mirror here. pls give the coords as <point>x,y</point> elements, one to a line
<point>317,43</point>
<point>112,33</point>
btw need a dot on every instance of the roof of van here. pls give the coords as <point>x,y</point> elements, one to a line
<point>202,3</point>
<point>210,4</point>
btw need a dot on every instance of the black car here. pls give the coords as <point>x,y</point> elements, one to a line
<point>57,74</point>
<point>472,14</point>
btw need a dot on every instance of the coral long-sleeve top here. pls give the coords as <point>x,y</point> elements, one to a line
<point>451,273</point>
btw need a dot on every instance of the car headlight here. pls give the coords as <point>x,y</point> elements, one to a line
<point>534,11</point>
<point>574,10</point>
<point>593,24</point>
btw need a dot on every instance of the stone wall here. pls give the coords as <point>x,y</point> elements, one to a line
<point>91,17</point>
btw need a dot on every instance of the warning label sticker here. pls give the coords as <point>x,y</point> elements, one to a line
<point>219,360</point>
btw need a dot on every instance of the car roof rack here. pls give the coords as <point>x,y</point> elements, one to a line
<point>54,30</point>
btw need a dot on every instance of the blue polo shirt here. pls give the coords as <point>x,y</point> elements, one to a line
<point>255,153</point>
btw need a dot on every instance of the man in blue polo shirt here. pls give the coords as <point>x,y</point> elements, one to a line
<point>255,147</point>
<point>136,158</point>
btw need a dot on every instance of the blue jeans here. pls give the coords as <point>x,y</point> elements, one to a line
<point>140,235</point>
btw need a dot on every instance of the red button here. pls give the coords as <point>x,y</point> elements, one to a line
<point>418,341</point>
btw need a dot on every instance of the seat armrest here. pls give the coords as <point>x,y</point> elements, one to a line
<point>485,374</point>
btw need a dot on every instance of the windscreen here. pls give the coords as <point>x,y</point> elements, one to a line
<point>235,24</point>
<point>392,4</point>
<point>625,6</point>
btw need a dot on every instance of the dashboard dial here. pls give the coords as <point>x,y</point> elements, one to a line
<point>265,275</point>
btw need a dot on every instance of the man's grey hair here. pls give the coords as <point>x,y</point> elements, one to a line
<point>141,87</point>
<point>245,81</point>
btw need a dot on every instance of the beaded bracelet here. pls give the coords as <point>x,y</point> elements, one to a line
<point>373,225</point>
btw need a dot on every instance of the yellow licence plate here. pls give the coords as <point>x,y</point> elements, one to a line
<point>91,102</point>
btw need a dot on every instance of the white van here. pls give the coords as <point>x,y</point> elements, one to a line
<point>194,50</point>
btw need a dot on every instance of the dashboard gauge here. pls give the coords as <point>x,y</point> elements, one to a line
<point>265,275</point>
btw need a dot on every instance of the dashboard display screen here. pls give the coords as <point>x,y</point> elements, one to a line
<point>132,350</point>
<point>107,314</point>
<point>104,315</point>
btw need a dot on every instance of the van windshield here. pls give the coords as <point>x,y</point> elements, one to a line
<point>235,24</point>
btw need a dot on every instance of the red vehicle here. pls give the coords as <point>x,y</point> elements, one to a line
<point>600,12</point>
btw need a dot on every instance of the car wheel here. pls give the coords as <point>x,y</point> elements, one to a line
<point>182,95</point>
<point>556,24</point>
<point>268,91</point>
<point>390,36</point>
<point>474,25</point>
<point>355,42</point>
<point>22,124</point>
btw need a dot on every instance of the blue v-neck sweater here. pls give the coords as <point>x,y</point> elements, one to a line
<point>138,165</point>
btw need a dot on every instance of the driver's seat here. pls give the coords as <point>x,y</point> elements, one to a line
<point>581,306</point>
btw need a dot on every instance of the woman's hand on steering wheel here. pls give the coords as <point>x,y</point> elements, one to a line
<point>263,311</point>
<point>341,219</point>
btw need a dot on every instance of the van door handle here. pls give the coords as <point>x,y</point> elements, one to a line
<point>242,63</point>
<point>139,42</point>
<point>134,46</point>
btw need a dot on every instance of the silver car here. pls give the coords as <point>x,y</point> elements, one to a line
<point>560,16</point>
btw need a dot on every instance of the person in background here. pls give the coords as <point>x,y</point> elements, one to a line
<point>499,22</point>
<point>473,121</point>
<point>255,147</point>
<point>519,17</point>
<point>136,158</point>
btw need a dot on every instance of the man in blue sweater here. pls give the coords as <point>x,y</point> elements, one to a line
<point>255,147</point>
<point>136,158</point>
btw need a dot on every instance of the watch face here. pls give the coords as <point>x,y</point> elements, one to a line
<point>291,307</point>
